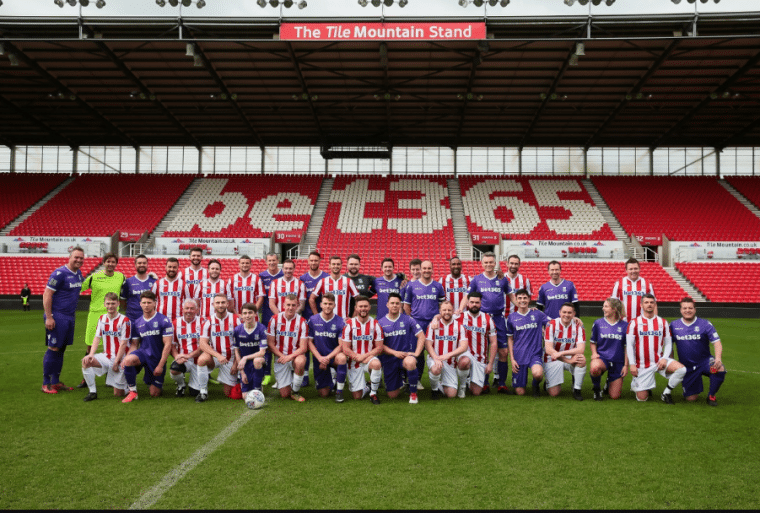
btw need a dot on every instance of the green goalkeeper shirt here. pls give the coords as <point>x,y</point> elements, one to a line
<point>101,284</point>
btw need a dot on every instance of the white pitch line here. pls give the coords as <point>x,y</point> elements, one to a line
<point>153,495</point>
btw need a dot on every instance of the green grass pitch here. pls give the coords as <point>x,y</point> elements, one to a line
<point>487,452</point>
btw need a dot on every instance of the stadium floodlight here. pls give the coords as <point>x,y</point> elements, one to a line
<point>198,61</point>
<point>477,3</point>
<point>14,60</point>
<point>2,48</point>
<point>573,60</point>
<point>376,3</point>
<point>401,3</point>
<point>72,3</point>
<point>201,4</point>
<point>580,49</point>
<point>262,3</point>
<point>504,3</point>
<point>84,3</point>
<point>161,3</point>
<point>288,4</point>
<point>364,3</point>
<point>493,3</point>
<point>187,3</point>
<point>174,3</point>
<point>388,3</point>
<point>302,4</point>
<point>59,3</point>
<point>190,50</point>
<point>463,3</point>
<point>274,3</point>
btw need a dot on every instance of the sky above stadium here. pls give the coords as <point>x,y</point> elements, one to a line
<point>351,8</point>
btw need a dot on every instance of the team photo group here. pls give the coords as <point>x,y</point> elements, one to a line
<point>273,328</point>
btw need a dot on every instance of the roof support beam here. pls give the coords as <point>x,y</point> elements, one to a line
<point>741,133</point>
<point>36,121</point>
<point>477,59</point>
<point>305,88</point>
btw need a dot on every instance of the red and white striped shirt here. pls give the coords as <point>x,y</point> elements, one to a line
<point>446,338</point>
<point>287,333</point>
<point>647,341</point>
<point>516,283</point>
<point>193,280</point>
<point>246,290</point>
<point>343,289</point>
<point>187,335</point>
<point>221,332</point>
<point>209,290</point>
<point>563,337</point>
<point>113,333</point>
<point>478,331</point>
<point>363,337</point>
<point>170,295</point>
<point>630,294</point>
<point>455,288</point>
<point>281,288</point>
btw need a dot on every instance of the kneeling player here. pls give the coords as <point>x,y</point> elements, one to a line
<point>325,329</point>
<point>564,344</point>
<point>288,341</point>
<point>186,349</point>
<point>249,341</point>
<point>608,350</point>
<point>114,330</point>
<point>360,334</point>
<point>480,331</point>
<point>649,348</point>
<point>693,337</point>
<point>153,333</point>
<point>444,345</point>
<point>403,342</point>
<point>217,349</point>
<point>525,337</point>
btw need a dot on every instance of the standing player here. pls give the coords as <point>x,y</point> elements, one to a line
<point>325,329</point>
<point>455,284</point>
<point>516,280</point>
<point>287,337</point>
<point>362,343</point>
<point>267,276</point>
<point>385,284</point>
<point>217,349</point>
<point>525,329</point>
<point>444,345</point>
<point>170,291</point>
<point>114,331</point>
<point>186,350</point>
<point>286,286</point>
<point>26,292</point>
<point>608,350</point>
<point>494,291</point>
<point>60,304</point>
<point>246,287</point>
<point>342,287</point>
<point>415,272</point>
<point>136,285</point>
<point>403,342</point>
<point>556,292</point>
<point>250,344</point>
<point>480,331</point>
<point>211,287</point>
<point>649,346</point>
<point>693,337</point>
<point>310,279</point>
<point>631,288</point>
<point>564,344</point>
<point>101,283</point>
<point>422,301</point>
<point>152,336</point>
<point>194,274</point>
<point>362,282</point>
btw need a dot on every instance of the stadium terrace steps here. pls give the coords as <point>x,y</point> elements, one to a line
<point>172,213</point>
<point>690,289</point>
<point>609,217</point>
<point>317,218</point>
<point>27,213</point>
<point>740,197</point>
<point>459,221</point>
<point>747,186</point>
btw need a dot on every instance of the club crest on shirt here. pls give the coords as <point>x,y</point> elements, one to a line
<point>619,329</point>
<point>155,324</point>
<point>532,318</point>
<point>401,324</point>
<point>333,328</point>
<point>696,328</point>
<point>564,289</point>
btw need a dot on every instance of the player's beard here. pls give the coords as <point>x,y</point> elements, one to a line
<point>474,311</point>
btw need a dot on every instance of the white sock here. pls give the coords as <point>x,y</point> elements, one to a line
<point>675,379</point>
<point>203,378</point>
<point>133,389</point>
<point>435,381</point>
<point>297,382</point>
<point>463,376</point>
<point>340,386</point>
<point>578,374</point>
<point>89,377</point>
<point>179,379</point>
<point>374,380</point>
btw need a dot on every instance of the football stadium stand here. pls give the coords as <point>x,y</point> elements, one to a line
<point>99,206</point>
<point>375,217</point>
<point>541,208</point>
<point>682,208</point>
<point>749,187</point>
<point>247,206</point>
<point>22,190</point>
<point>724,282</point>
<point>15,271</point>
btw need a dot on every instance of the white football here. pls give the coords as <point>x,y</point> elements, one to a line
<point>255,399</point>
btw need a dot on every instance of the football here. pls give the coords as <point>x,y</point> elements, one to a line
<point>254,399</point>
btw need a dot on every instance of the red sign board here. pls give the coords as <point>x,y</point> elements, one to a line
<point>288,237</point>
<point>389,31</point>
<point>130,236</point>
<point>649,240</point>
<point>485,238</point>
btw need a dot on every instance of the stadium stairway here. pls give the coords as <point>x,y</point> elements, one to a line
<point>686,285</point>
<point>23,217</point>
<point>311,236</point>
<point>176,208</point>
<point>610,218</point>
<point>740,197</point>
<point>458,220</point>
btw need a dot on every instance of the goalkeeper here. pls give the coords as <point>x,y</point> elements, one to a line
<point>101,283</point>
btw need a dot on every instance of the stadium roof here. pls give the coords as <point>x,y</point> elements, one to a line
<point>663,80</point>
